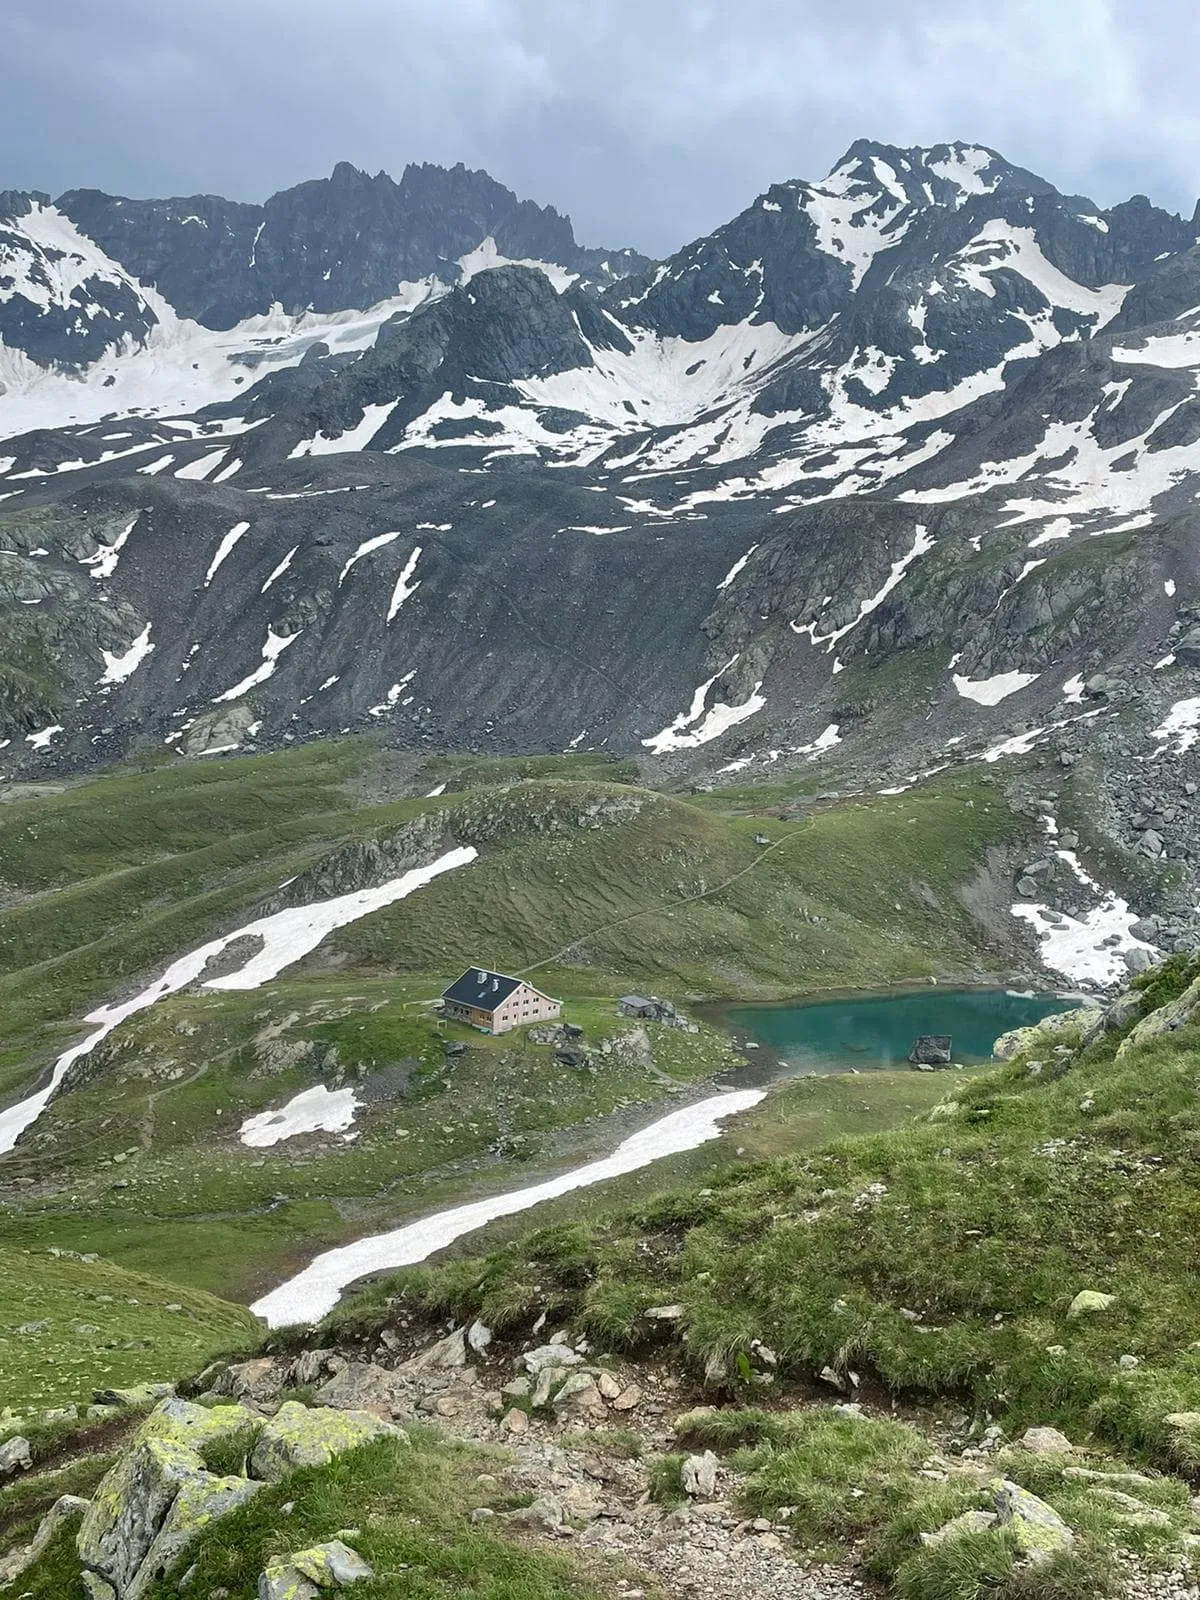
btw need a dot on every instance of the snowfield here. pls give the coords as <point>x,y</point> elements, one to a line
<point>284,937</point>
<point>308,1296</point>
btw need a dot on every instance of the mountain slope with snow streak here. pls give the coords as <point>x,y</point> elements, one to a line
<point>911,454</point>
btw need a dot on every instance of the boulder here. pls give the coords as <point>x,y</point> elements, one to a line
<point>201,1499</point>
<point>279,1580</point>
<point>303,1575</point>
<point>67,1508</point>
<point>1045,1442</point>
<point>550,1355</point>
<point>546,1515</point>
<point>932,1050</point>
<point>15,1456</point>
<point>698,1476</point>
<point>1187,650</point>
<point>1036,1528</point>
<point>1103,1020</point>
<point>310,1366</point>
<point>360,1386</point>
<point>1175,1014</point>
<point>446,1355</point>
<point>1062,1027</point>
<point>968,1522</point>
<point>579,1393</point>
<point>131,1505</point>
<point>300,1436</point>
<point>1133,1512</point>
<point>479,1337</point>
<point>629,1398</point>
<point>139,1394</point>
<point>1088,1303</point>
<point>257,1381</point>
<point>97,1588</point>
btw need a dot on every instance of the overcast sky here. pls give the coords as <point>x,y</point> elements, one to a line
<point>649,121</point>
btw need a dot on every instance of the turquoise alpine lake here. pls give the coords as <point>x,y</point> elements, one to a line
<point>877,1031</point>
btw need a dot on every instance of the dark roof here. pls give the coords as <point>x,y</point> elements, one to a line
<point>481,990</point>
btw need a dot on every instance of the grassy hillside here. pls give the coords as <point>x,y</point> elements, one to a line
<point>940,1264</point>
<point>590,887</point>
<point>69,1326</point>
<point>942,1257</point>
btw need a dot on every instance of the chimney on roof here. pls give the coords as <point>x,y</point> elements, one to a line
<point>495,983</point>
<point>482,975</point>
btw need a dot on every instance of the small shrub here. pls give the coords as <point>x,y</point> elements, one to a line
<point>664,1480</point>
<point>228,1456</point>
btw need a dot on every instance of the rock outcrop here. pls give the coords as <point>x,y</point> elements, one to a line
<point>158,1498</point>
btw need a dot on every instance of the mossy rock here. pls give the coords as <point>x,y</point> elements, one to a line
<point>300,1436</point>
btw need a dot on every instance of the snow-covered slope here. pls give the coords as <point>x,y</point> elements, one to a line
<point>883,473</point>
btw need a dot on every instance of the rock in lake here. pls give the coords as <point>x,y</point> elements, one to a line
<point>932,1050</point>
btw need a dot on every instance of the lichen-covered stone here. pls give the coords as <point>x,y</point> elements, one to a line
<point>331,1563</point>
<point>98,1588</point>
<point>300,1436</point>
<point>279,1580</point>
<point>200,1500</point>
<point>139,1394</point>
<point>1175,1014</point>
<point>130,1504</point>
<point>968,1522</point>
<point>1064,1027</point>
<point>1036,1529</point>
<point>302,1576</point>
<point>1089,1302</point>
<point>196,1426</point>
<point>134,1502</point>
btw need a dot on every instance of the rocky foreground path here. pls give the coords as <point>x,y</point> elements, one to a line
<point>566,1426</point>
<point>585,1453</point>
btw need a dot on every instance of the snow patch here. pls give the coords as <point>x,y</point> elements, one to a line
<point>990,691</point>
<point>276,644</point>
<point>312,1293</point>
<point>315,1110</point>
<point>921,543</point>
<point>1181,724</point>
<point>279,571</point>
<point>736,568</point>
<point>404,586</point>
<point>285,937</point>
<point>364,549</point>
<point>356,438</point>
<point>224,548</point>
<point>708,723</point>
<point>118,666</point>
<point>104,563</point>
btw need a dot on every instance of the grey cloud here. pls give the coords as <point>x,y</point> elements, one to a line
<point>648,120</point>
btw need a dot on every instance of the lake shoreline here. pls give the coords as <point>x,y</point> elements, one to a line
<point>857,1030</point>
